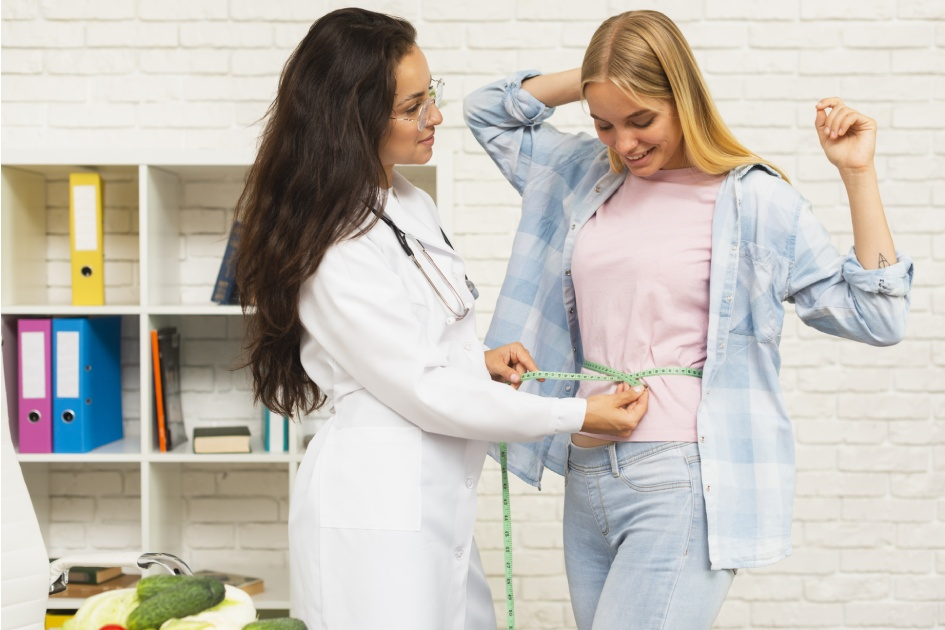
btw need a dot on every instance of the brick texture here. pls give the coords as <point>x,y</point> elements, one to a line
<point>869,525</point>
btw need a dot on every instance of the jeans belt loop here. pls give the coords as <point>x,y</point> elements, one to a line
<point>612,451</point>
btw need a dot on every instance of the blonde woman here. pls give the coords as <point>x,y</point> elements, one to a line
<point>675,247</point>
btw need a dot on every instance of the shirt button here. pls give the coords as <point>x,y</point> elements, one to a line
<point>728,298</point>
<point>734,248</point>
<point>567,272</point>
<point>708,488</point>
<point>567,388</point>
<point>573,225</point>
<point>722,345</point>
<point>597,189</point>
<point>571,310</point>
<point>468,346</point>
<point>702,439</point>
<point>469,482</point>
<point>459,554</point>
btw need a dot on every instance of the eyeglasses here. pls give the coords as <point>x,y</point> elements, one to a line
<point>434,98</point>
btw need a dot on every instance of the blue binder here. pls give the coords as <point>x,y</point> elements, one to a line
<point>87,383</point>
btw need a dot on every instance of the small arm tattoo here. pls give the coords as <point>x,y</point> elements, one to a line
<point>883,262</point>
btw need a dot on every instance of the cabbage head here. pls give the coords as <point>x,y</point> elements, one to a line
<point>235,611</point>
<point>110,607</point>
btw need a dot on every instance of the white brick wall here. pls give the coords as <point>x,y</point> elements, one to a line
<point>870,423</point>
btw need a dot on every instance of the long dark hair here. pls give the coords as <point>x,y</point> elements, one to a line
<point>315,181</point>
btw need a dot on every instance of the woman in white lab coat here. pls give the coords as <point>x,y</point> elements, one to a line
<point>361,301</point>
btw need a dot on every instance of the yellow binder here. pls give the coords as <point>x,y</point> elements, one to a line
<point>85,239</point>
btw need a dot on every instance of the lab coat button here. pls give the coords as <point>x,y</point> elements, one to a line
<point>469,482</point>
<point>728,298</point>
<point>450,321</point>
<point>468,346</point>
<point>459,554</point>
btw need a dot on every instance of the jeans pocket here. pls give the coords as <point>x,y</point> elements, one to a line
<point>663,469</point>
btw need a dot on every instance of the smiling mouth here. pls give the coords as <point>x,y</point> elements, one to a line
<point>635,158</point>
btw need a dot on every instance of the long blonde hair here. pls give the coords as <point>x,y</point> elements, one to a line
<point>646,55</point>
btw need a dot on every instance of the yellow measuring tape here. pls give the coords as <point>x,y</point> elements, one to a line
<point>604,374</point>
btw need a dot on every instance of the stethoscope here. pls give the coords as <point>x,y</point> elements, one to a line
<point>402,239</point>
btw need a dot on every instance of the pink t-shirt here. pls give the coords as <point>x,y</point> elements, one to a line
<point>641,277</point>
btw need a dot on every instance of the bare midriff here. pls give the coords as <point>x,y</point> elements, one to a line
<point>586,441</point>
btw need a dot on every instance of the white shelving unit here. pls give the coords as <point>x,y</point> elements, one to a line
<point>156,288</point>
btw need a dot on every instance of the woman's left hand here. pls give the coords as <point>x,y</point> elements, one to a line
<point>847,136</point>
<point>507,363</point>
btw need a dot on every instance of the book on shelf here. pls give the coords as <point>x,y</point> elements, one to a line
<point>93,575</point>
<point>225,290</point>
<point>168,411</point>
<point>246,583</point>
<point>275,431</point>
<point>232,439</point>
<point>81,591</point>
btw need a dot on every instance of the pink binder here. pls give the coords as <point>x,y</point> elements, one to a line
<point>34,391</point>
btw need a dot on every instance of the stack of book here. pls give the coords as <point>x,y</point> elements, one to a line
<point>250,585</point>
<point>87,581</point>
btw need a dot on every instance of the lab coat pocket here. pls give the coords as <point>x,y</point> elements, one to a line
<point>375,480</point>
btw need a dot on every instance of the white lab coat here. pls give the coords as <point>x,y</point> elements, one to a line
<point>383,507</point>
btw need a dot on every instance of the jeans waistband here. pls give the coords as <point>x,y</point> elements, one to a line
<point>611,457</point>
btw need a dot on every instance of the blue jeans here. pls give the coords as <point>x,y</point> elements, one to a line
<point>635,540</point>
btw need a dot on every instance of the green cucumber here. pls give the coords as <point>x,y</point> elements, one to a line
<point>153,584</point>
<point>279,623</point>
<point>191,596</point>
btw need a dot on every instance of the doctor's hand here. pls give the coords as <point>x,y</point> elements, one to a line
<point>507,363</point>
<point>616,414</point>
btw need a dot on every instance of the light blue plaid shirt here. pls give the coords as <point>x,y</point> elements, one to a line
<point>767,247</point>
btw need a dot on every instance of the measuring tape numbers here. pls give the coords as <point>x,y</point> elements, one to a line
<point>507,536</point>
<point>604,373</point>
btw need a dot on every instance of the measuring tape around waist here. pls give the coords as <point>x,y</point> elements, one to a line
<point>604,374</point>
<point>609,374</point>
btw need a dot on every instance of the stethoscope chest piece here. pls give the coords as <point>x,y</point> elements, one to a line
<point>402,238</point>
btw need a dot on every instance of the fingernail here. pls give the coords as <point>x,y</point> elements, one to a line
<point>638,389</point>
<point>515,378</point>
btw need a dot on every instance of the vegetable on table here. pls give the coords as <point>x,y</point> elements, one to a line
<point>190,596</point>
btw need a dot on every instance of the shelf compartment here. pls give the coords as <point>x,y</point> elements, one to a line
<point>36,253</point>
<point>189,210</point>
